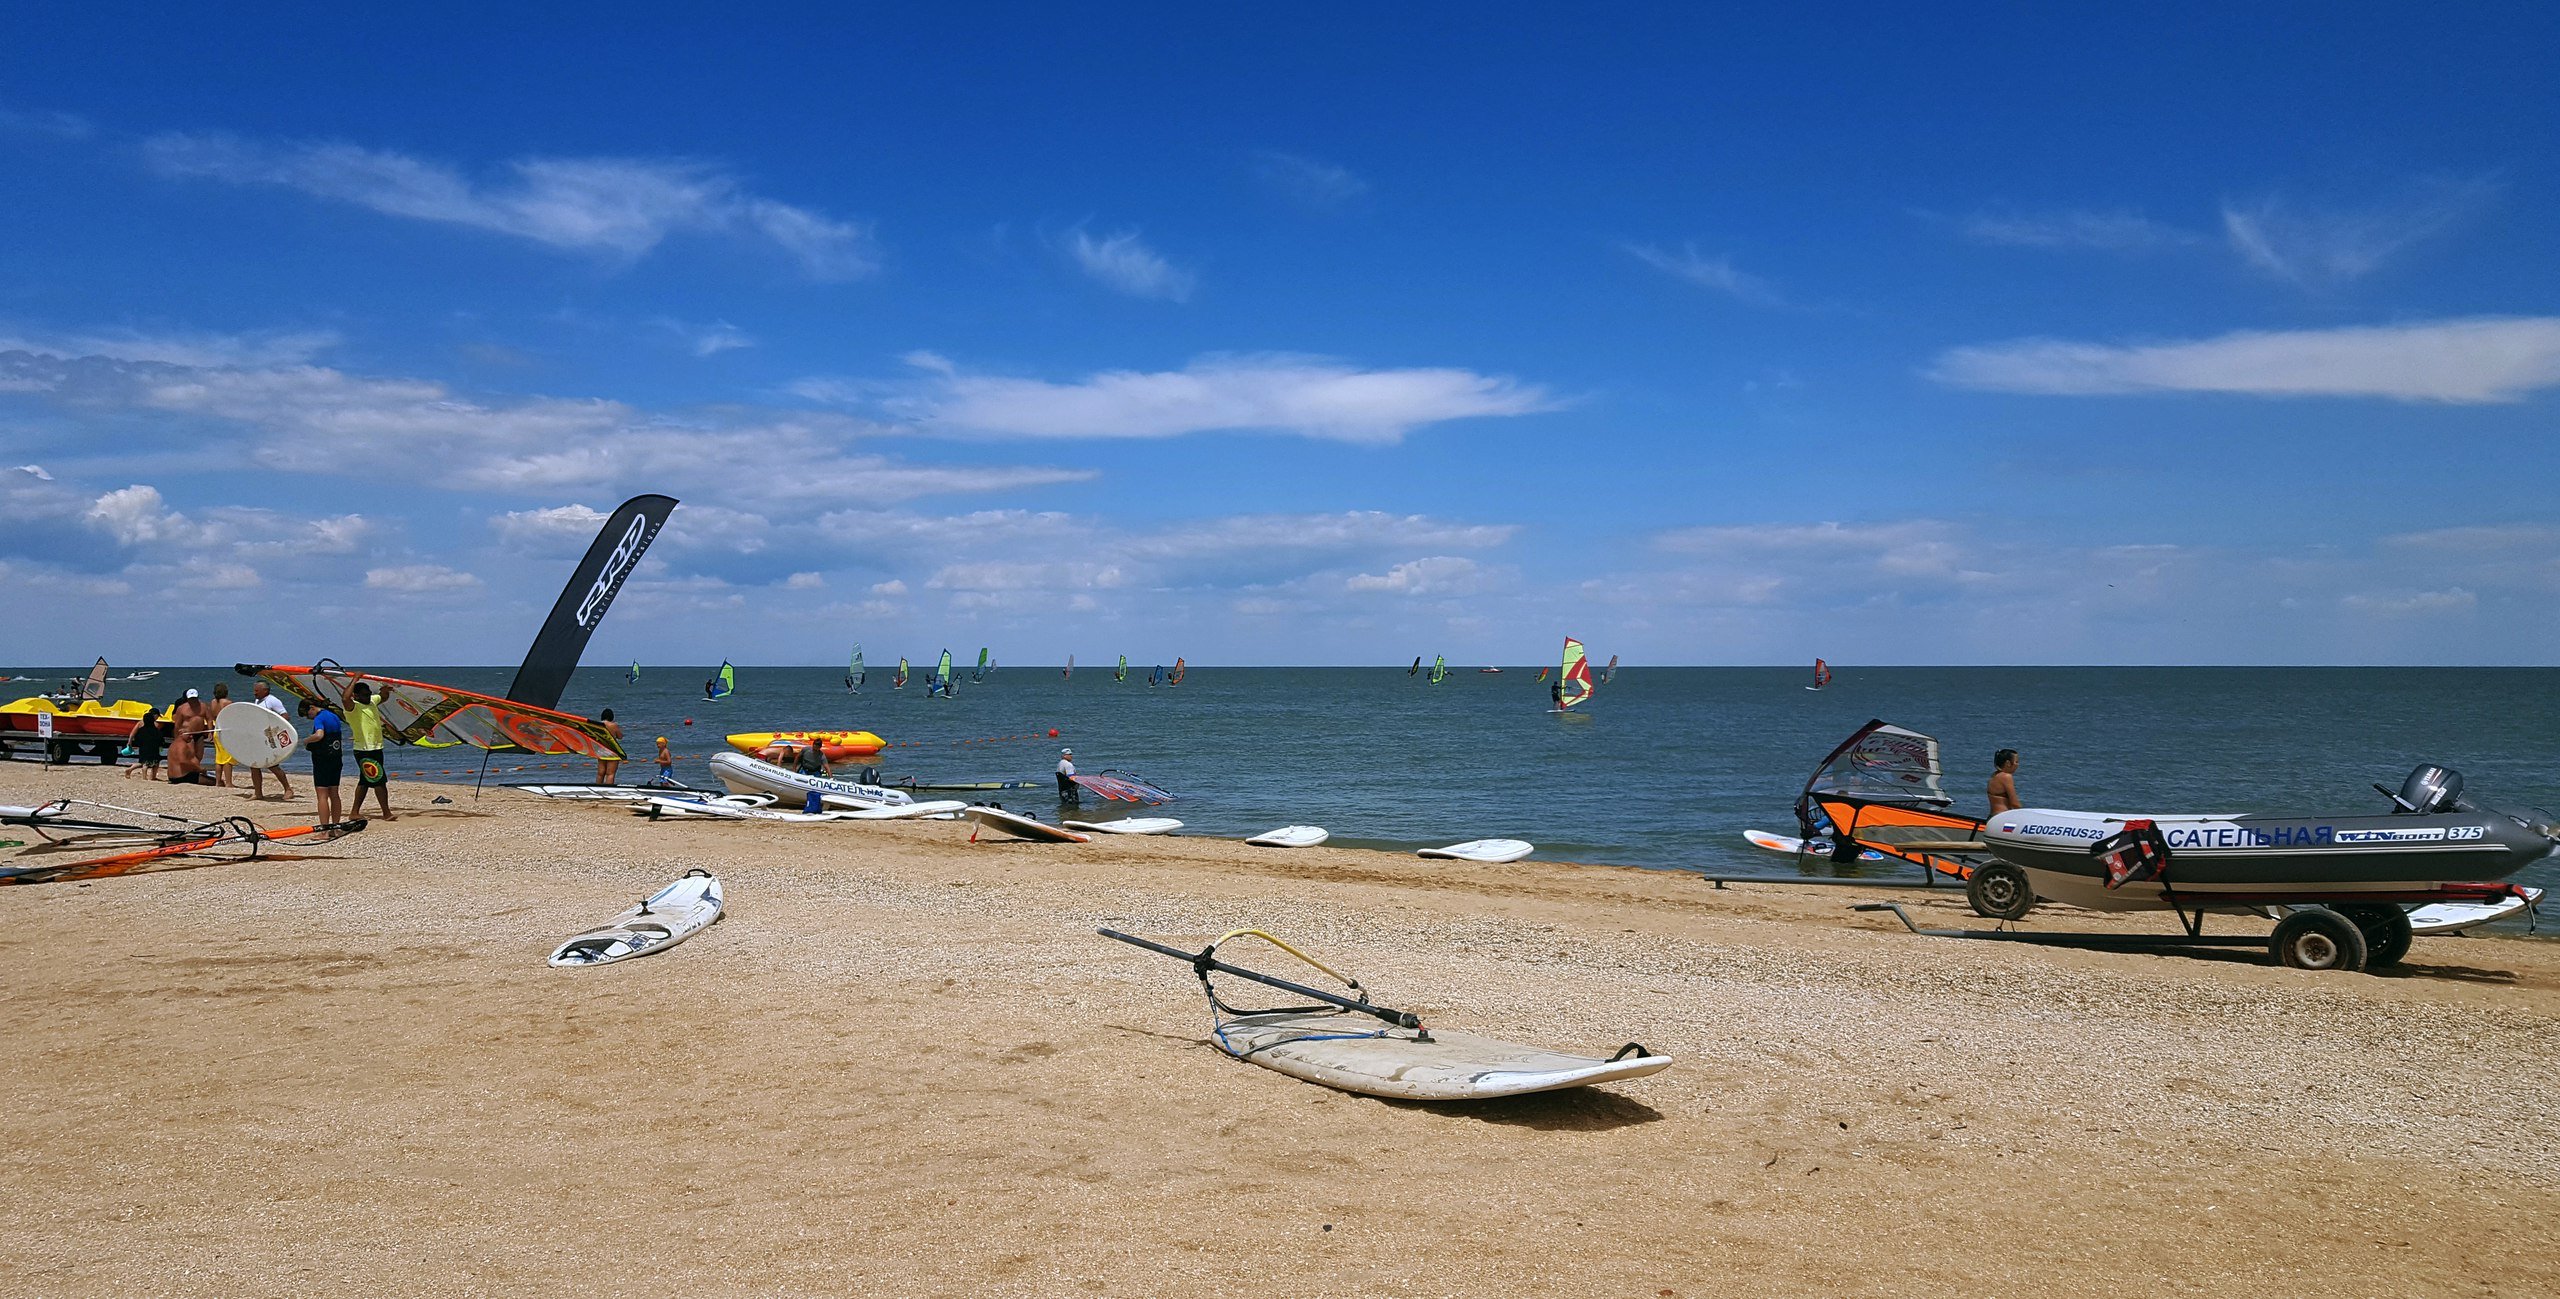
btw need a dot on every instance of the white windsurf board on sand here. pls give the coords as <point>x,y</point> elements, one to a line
<point>1352,1053</point>
<point>1020,826</point>
<point>609,793</point>
<point>662,920</point>
<point>1290,836</point>
<point>254,736</point>
<point>1128,825</point>
<point>2454,917</point>
<point>1792,846</point>
<point>1483,850</point>
<point>942,809</point>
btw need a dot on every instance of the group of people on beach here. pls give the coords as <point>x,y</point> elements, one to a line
<point>185,748</point>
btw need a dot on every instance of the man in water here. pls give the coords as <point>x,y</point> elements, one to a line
<point>266,699</point>
<point>322,744</point>
<point>711,688</point>
<point>2004,781</point>
<point>364,735</point>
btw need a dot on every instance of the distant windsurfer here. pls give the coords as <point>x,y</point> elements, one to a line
<point>1067,778</point>
<point>2004,782</point>
<point>1555,692</point>
<point>711,688</point>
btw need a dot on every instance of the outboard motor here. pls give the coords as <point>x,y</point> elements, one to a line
<point>2430,789</point>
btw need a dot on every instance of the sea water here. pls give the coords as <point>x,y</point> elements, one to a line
<point>1664,767</point>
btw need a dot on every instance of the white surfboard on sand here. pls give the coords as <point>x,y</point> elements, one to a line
<point>662,920</point>
<point>1353,1053</point>
<point>1128,825</point>
<point>936,809</point>
<point>1020,826</point>
<point>1792,846</point>
<point>1290,836</point>
<point>611,793</point>
<point>2454,917</point>
<point>1483,850</point>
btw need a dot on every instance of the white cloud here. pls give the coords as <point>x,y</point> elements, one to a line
<point>707,340</point>
<point>1306,396</point>
<point>195,350</point>
<point>809,581</point>
<point>1308,182</point>
<point>136,516</point>
<point>1127,265</point>
<point>1717,273</point>
<point>414,579</point>
<point>2109,230</point>
<point>892,587</point>
<point>52,125</point>
<point>557,527</point>
<point>1435,575</point>
<point>2483,359</point>
<point>2317,246</point>
<point>36,472</point>
<point>2413,604</point>
<point>622,207</point>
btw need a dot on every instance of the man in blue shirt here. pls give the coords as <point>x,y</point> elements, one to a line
<point>327,759</point>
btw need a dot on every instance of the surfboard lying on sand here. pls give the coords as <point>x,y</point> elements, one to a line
<point>662,920</point>
<point>1128,825</point>
<point>606,793</point>
<point>1354,1045</point>
<point>1290,836</point>
<point>1791,847</point>
<point>1346,1051</point>
<point>1020,826</point>
<point>938,809</point>
<point>1484,850</point>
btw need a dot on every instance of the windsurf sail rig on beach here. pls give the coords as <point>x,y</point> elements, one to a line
<point>856,674</point>
<point>625,536</point>
<point>1123,786</point>
<point>1176,678</point>
<point>899,682</point>
<point>1821,675</point>
<point>981,673</point>
<point>1439,669</point>
<point>724,683</point>
<point>1573,679</point>
<point>435,716</point>
<point>1121,673</point>
<point>237,833</point>
<point>1883,788</point>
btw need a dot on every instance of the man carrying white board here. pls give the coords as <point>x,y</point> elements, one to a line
<point>266,699</point>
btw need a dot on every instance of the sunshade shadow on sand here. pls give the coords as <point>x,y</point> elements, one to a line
<point>1578,1109</point>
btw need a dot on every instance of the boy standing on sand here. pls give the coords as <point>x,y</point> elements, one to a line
<point>364,734</point>
<point>2004,781</point>
<point>322,744</point>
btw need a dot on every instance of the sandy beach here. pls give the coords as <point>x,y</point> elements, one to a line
<point>905,1064</point>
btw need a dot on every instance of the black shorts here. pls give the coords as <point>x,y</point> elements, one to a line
<point>326,769</point>
<point>371,771</point>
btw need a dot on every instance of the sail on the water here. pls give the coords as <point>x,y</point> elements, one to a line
<point>633,676</point>
<point>725,682</point>
<point>1176,678</point>
<point>899,682</point>
<point>1070,673</point>
<point>941,676</point>
<point>1156,678</point>
<point>95,687</point>
<point>1821,675</point>
<point>1416,669</point>
<point>1121,673</point>
<point>1609,673</point>
<point>855,674</point>
<point>1439,669</point>
<point>1542,674</point>
<point>981,673</point>
<point>1573,678</point>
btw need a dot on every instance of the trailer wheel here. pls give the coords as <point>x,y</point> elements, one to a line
<point>2386,931</point>
<point>1999,891</point>
<point>2317,938</point>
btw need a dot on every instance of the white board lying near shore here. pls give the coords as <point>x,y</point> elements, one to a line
<point>1128,825</point>
<point>1484,850</point>
<point>1352,1053</point>
<point>1290,836</point>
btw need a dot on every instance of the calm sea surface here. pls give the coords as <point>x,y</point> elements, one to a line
<point>1665,768</point>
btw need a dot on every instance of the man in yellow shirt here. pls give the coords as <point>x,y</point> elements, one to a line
<point>364,735</point>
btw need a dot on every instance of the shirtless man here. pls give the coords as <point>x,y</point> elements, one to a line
<point>2004,781</point>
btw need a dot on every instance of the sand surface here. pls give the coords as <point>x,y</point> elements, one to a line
<point>904,1064</point>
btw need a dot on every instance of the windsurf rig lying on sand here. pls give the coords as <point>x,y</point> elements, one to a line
<point>662,920</point>
<point>236,835</point>
<point>1346,1042</point>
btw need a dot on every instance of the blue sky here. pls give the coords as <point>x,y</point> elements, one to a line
<point>1707,335</point>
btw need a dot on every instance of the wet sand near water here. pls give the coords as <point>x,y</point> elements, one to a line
<point>904,1064</point>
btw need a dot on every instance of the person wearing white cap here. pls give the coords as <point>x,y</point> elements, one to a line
<point>1067,777</point>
